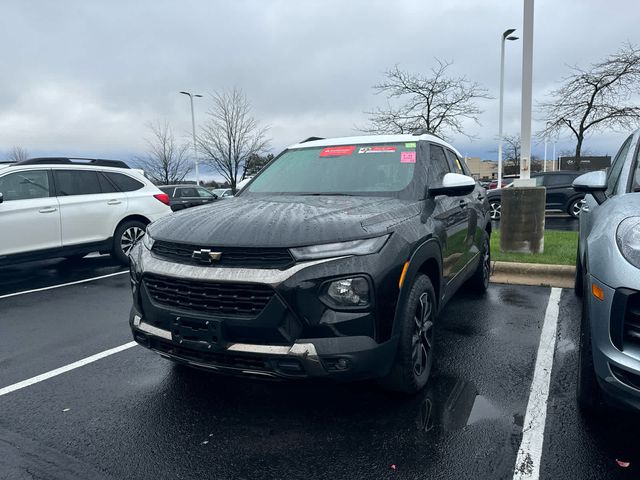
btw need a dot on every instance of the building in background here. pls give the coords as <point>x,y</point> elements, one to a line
<point>482,169</point>
<point>585,164</point>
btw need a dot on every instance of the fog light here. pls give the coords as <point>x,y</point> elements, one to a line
<point>349,292</point>
<point>342,364</point>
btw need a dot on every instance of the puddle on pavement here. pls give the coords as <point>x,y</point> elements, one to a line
<point>451,404</point>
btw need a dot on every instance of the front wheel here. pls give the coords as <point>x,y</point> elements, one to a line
<point>495,209</point>
<point>125,238</point>
<point>576,207</point>
<point>414,358</point>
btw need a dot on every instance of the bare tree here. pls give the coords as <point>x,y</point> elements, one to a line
<point>230,135</point>
<point>166,162</point>
<point>596,98</point>
<point>438,103</point>
<point>17,154</point>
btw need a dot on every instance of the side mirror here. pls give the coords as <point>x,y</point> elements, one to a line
<point>453,185</point>
<point>594,183</point>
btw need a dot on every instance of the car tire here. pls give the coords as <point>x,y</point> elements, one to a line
<point>575,207</point>
<point>124,239</point>
<point>588,392</point>
<point>495,209</point>
<point>578,283</point>
<point>479,281</point>
<point>415,355</point>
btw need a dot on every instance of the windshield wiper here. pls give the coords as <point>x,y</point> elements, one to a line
<point>330,194</point>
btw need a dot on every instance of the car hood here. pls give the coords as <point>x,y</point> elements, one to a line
<point>284,221</point>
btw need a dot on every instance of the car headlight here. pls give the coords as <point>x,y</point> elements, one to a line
<point>348,292</point>
<point>327,250</point>
<point>148,240</point>
<point>628,240</point>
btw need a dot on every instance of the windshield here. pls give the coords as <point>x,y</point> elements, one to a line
<point>362,169</point>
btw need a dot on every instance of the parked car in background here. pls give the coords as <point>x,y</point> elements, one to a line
<point>608,279</point>
<point>505,183</point>
<point>223,192</point>
<point>561,196</point>
<point>337,269</point>
<point>186,196</point>
<point>62,207</point>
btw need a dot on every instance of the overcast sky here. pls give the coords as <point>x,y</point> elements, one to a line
<point>85,77</point>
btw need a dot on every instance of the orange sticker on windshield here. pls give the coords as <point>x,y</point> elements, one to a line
<point>337,151</point>
<point>407,157</point>
<point>381,149</point>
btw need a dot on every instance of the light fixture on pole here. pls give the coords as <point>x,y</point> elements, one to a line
<point>193,127</point>
<point>505,36</point>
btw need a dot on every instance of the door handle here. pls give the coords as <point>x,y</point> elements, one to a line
<point>48,210</point>
<point>463,203</point>
<point>114,202</point>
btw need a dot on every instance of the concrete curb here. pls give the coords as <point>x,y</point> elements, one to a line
<point>533,274</point>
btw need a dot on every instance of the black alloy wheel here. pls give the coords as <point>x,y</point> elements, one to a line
<point>415,356</point>
<point>576,207</point>
<point>126,236</point>
<point>495,209</point>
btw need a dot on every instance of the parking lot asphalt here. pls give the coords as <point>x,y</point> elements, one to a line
<point>136,415</point>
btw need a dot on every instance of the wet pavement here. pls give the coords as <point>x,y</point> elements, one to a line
<point>136,415</point>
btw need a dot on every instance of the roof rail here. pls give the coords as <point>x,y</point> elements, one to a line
<point>311,139</point>
<point>73,161</point>
<point>423,131</point>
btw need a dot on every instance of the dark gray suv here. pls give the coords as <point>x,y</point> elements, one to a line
<point>334,261</point>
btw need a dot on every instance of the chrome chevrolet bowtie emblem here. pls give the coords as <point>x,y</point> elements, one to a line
<point>205,255</point>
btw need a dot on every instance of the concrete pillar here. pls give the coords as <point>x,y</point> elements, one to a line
<point>522,219</point>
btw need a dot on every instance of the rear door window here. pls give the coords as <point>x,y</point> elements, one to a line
<point>188,192</point>
<point>76,182</point>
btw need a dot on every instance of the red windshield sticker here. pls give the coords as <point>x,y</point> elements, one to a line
<point>382,149</point>
<point>337,151</point>
<point>407,157</point>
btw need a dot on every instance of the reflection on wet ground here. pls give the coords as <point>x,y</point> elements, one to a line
<point>32,275</point>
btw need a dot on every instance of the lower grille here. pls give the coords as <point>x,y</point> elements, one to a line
<point>242,362</point>
<point>229,299</point>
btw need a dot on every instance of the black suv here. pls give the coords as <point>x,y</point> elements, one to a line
<point>185,196</point>
<point>561,196</point>
<point>333,262</point>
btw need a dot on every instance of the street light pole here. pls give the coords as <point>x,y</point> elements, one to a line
<point>193,127</point>
<point>527,91</point>
<point>505,36</point>
<point>545,153</point>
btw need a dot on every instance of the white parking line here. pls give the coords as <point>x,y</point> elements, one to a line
<point>530,452</point>
<point>62,285</point>
<point>66,368</point>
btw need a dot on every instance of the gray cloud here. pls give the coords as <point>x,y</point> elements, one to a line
<point>85,77</point>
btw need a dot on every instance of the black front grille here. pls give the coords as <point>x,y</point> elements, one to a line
<point>240,257</point>
<point>229,299</point>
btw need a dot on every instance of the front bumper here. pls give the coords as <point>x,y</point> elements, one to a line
<point>617,366</point>
<point>341,358</point>
<point>293,333</point>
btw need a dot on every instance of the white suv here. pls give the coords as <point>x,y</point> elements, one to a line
<point>61,207</point>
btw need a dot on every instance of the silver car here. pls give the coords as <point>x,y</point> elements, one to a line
<point>608,279</point>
